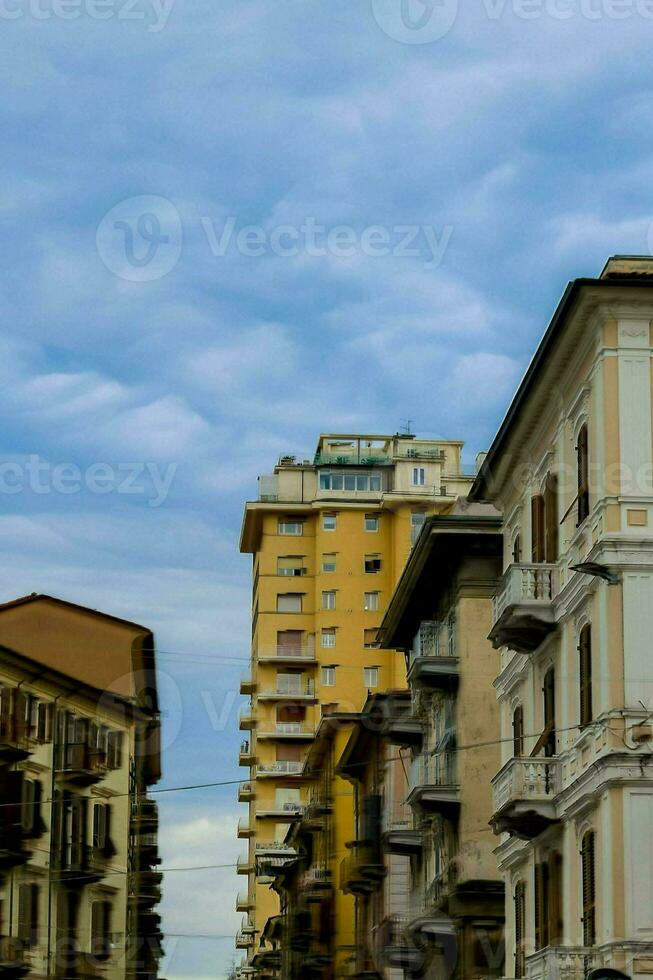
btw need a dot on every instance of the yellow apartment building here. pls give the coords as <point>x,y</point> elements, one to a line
<point>329,538</point>
<point>571,470</point>
<point>79,746</point>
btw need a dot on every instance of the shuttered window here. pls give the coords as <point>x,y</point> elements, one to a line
<point>549,713</point>
<point>28,914</point>
<point>537,529</point>
<point>585,672</point>
<point>541,905</point>
<point>518,732</point>
<point>520,928</point>
<point>290,602</point>
<point>555,898</point>
<point>551,518</point>
<point>582,455</point>
<point>290,565</point>
<point>101,930</point>
<point>589,889</point>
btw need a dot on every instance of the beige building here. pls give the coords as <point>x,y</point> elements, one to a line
<point>571,469</point>
<point>440,615</point>
<point>79,746</point>
<point>329,537</point>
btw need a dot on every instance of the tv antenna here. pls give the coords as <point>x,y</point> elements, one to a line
<point>406,428</point>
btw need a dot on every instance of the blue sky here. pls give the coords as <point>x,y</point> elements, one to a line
<point>137,333</point>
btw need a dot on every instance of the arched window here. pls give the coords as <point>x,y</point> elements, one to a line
<point>582,458</point>
<point>518,732</point>
<point>589,889</point>
<point>585,672</point>
<point>516,549</point>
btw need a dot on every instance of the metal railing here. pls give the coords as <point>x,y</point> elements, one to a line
<point>305,651</point>
<point>290,690</point>
<point>287,767</point>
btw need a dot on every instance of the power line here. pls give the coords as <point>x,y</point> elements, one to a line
<point>150,792</point>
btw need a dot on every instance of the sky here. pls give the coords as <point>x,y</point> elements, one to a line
<point>230,225</point>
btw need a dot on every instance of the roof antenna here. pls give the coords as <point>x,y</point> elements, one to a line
<point>406,427</point>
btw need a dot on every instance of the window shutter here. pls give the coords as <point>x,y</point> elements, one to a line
<point>537,528</point>
<point>541,905</point>
<point>538,906</point>
<point>555,898</point>
<point>27,806</point>
<point>549,712</point>
<point>520,927</point>
<point>589,889</point>
<point>582,453</point>
<point>33,915</point>
<point>585,670</point>
<point>551,517</point>
<point>518,732</point>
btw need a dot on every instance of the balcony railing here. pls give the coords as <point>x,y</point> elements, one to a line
<point>245,792</point>
<point>561,963</point>
<point>523,793</point>
<point>523,606</point>
<point>243,902</point>
<point>288,729</point>
<point>283,691</point>
<point>244,829</point>
<point>282,767</point>
<point>287,652</point>
<point>362,870</point>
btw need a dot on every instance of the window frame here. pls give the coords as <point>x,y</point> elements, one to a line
<point>328,516</point>
<point>287,524</point>
<point>329,599</point>
<point>371,686</point>
<point>375,520</point>
<point>328,683</point>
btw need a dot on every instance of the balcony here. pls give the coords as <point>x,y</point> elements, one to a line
<point>16,742</point>
<point>244,829</point>
<point>244,865</point>
<point>246,792</point>
<point>244,940</point>
<point>433,662</point>
<point>290,692</point>
<point>395,946</point>
<point>523,792</point>
<point>303,654</point>
<point>145,816</point>
<point>315,883</point>
<point>282,811</point>
<point>289,731</point>
<point>282,767</point>
<point>246,721</point>
<point>145,887</point>
<point>13,960</point>
<point>247,685</point>
<point>401,837</point>
<point>363,870</point>
<point>434,783</point>
<point>244,903</point>
<point>561,963</point>
<point>74,864</point>
<point>315,814</point>
<point>523,614</point>
<point>246,756</point>
<point>273,856</point>
<point>80,764</point>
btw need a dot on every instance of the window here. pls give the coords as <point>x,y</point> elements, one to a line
<point>289,643</point>
<point>328,676</point>
<point>288,799</point>
<point>114,750</point>
<point>585,671</point>
<point>520,928</point>
<point>371,638</point>
<point>548,901</point>
<point>365,482</point>
<point>419,476</point>
<point>518,732</point>
<point>102,829</point>
<point>371,522</point>
<point>371,601</point>
<point>329,522</point>
<point>328,637</point>
<point>372,564</point>
<point>291,565</point>
<point>329,600</point>
<point>541,889</point>
<point>516,549</point>
<point>589,889</point>
<point>371,676</point>
<point>582,460</point>
<point>417,522</point>
<point>329,563</point>
<point>537,529</point>
<point>101,930</point>
<point>289,602</point>
<point>44,722</point>
<point>551,519</point>
<point>31,796</point>
<point>549,713</point>
<point>28,914</point>
<point>291,527</point>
